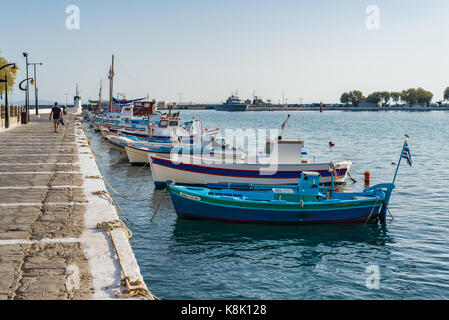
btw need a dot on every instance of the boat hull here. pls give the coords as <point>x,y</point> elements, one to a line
<point>194,207</point>
<point>164,170</point>
<point>141,156</point>
<point>231,107</point>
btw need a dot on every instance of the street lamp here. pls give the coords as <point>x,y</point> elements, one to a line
<point>27,96</point>
<point>14,70</point>
<point>26,89</point>
<point>35,87</point>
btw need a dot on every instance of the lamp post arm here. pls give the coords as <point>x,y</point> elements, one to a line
<point>20,84</point>
<point>8,65</point>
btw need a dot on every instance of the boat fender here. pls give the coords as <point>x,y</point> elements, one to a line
<point>302,203</point>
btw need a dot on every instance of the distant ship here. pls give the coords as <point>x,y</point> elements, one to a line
<point>258,102</point>
<point>232,104</point>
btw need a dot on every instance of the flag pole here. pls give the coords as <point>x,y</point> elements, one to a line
<point>400,158</point>
<point>284,126</point>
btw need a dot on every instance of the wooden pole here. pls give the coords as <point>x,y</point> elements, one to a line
<point>111,84</point>
<point>99,96</point>
<point>399,162</point>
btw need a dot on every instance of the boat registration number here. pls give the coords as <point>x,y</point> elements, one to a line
<point>189,196</point>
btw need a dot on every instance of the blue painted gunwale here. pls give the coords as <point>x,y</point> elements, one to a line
<point>275,211</point>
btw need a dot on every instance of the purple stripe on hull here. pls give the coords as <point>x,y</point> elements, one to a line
<point>238,172</point>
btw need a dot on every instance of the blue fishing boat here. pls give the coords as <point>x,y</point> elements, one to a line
<point>307,202</point>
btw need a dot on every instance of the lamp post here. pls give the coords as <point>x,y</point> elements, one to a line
<point>26,89</point>
<point>27,96</point>
<point>14,70</point>
<point>35,86</point>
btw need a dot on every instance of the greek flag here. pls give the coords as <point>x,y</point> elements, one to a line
<point>284,124</point>
<point>406,154</point>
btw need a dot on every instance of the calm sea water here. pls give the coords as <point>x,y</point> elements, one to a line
<point>182,259</point>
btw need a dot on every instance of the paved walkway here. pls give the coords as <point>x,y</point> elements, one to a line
<point>42,207</point>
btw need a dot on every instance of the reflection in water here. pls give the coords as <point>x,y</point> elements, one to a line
<point>197,232</point>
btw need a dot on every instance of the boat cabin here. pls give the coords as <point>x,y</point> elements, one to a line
<point>308,189</point>
<point>145,108</point>
<point>165,128</point>
<point>284,151</point>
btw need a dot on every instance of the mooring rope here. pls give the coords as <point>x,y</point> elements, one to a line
<point>375,203</point>
<point>126,197</point>
<point>133,288</point>
<point>388,210</point>
<point>160,202</point>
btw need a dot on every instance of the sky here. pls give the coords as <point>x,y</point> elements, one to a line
<point>201,51</point>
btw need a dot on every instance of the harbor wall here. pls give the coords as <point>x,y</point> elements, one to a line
<point>317,108</point>
<point>14,115</point>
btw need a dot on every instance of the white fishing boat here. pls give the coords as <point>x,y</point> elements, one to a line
<point>285,168</point>
<point>209,147</point>
<point>282,163</point>
<point>169,134</point>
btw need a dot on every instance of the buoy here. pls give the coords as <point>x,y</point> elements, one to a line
<point>367,177</point>
<point>393,163</point>
<point>331,144</point>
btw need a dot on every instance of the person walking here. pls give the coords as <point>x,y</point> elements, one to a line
<point>57,116</point>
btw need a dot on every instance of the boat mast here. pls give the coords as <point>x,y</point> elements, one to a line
<point>99,95</point>
<point>111,83</point>
<point>284,127</point>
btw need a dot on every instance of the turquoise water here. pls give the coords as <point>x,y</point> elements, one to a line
<point>181,259</point>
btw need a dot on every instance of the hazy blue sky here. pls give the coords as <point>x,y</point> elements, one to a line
<point>206,49</point>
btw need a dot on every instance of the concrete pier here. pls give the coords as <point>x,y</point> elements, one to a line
<point>50,205</point>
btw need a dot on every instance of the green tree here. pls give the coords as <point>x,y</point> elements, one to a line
<point>424,97</point>
<point>10,76</point>
<point>385,96</point>
<point>395,96</point>
<point>345,98</point>
<point>379,97</point>
<point>356,97</point>
<point>353,97</point>
<point>374,97</point>
<point>417,96</point>
<point>446,94</point>
<point>409,96</point>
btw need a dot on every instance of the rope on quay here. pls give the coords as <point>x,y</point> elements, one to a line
<point>112,201</point>
<point>93,177</point>
<point>133,288</point>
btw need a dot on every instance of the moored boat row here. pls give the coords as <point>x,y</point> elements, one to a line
<point>208,178</point>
